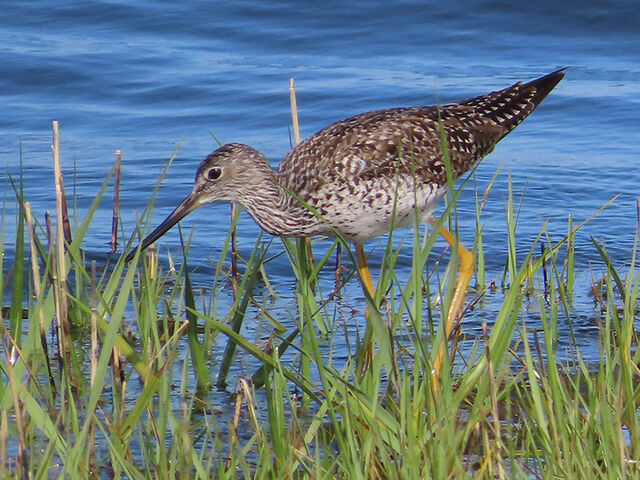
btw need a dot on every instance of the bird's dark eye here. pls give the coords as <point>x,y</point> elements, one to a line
<point>214,173</point>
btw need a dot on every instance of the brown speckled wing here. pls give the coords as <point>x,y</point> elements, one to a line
<point>408,141</point>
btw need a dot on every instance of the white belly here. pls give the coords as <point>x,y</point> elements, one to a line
<point>371,209</point>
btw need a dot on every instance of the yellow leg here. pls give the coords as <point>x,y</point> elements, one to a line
<point>457,304</point>
<point>365,351</point>
<point>363,270</point>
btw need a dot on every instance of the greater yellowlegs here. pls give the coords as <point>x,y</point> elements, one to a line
<point>367,174</point>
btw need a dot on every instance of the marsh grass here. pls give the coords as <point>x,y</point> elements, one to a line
<point>505,406</point>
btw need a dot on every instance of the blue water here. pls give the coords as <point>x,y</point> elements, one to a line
<point>152,77</point>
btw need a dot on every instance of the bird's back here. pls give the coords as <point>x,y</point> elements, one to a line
<point>374,158</point>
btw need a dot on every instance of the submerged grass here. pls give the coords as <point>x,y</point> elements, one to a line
<point>505,407</point>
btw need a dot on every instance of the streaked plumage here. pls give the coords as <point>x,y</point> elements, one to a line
<point>362,173</point>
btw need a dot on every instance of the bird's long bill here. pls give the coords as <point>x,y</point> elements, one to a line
<point>187,206</point>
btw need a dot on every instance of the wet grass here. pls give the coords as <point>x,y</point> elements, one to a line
<point>125,390</point>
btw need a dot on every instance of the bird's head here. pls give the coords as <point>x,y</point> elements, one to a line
<point>228,173</point>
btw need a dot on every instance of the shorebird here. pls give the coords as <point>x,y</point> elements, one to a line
<point>363,176</point>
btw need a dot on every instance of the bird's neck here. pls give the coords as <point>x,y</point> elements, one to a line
<point>275,209</point>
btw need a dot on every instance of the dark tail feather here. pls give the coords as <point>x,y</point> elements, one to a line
<point>544,85</point>
<point>510,106</point>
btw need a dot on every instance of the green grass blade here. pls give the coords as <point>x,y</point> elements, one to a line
<point>198,353</point>
<point>240,308</point>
